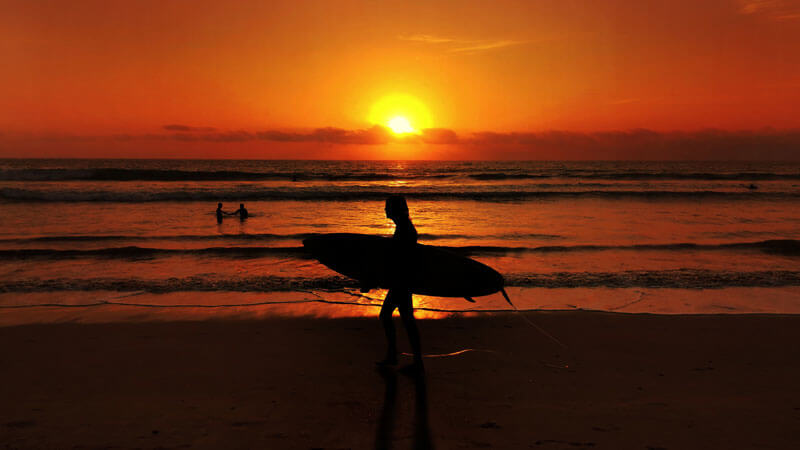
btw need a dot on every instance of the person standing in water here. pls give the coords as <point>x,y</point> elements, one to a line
<point>399,296</point>
<point>220,213</point>
<point>242,212</point>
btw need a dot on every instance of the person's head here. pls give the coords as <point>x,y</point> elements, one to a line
<point>396,207</point>
<point>241,205</point>
<point>219,205</point>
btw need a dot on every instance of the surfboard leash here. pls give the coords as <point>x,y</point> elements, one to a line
<point>526,319</point>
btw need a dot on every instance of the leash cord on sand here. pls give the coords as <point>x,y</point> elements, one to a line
<point>526,319</point>
<point>109,301</point>
<point>446,355</point>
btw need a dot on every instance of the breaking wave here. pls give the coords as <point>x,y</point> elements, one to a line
<point>133,252</point>
<point>249,237</point>
<point>676,279</point>
<point>623,175</point>
<point>130,174</point>
<point>787,247</point>
<point>378,194</point>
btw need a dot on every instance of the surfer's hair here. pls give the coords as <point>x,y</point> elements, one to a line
<point>396,204</point>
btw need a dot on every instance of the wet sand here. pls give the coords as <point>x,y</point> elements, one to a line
<point>624,382</point>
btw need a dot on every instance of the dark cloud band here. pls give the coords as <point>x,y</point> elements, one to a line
<point>630,144</point>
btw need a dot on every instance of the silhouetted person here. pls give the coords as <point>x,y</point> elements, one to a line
<point>399,295</point>
<point>220,213</point>
<point>242,212</point>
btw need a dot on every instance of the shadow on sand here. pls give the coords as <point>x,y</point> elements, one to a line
<point>421,438</point>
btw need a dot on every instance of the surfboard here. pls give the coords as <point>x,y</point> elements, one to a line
<point>380,262</point>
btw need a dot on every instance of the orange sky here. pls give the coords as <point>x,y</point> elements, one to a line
<point>97,69</point>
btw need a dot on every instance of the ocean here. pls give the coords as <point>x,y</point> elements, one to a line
<point>108,240</point>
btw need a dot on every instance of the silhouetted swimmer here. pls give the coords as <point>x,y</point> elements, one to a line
<point>220,213</point>
<point>242,212</point>
<point>399,297</point>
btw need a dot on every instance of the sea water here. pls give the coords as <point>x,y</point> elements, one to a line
<point>91,240</point>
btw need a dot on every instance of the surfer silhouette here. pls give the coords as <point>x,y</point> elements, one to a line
<point>399,296</point>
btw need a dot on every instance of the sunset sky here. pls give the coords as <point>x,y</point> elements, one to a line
<point>312,79</point>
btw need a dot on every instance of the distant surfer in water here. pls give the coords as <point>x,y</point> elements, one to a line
<point>399,297</point>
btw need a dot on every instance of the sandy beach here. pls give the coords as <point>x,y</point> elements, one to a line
<point>623,382</point>
<point>587,214</point>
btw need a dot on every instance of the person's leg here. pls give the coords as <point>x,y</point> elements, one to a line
<point>388,327</point>
<point>405,305</point>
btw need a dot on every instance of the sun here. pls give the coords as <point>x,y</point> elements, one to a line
<point>400,125</point>
<point>401,113</point>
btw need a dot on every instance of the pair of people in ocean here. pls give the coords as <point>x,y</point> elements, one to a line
<point>241,212</point>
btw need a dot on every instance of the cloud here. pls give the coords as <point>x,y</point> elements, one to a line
<point>773,9</point>
<point>625,144</point>
<point>439,136</point>
<point>643,144</point>
<point>429,39</point>
<point>376,135</point>
<point>178,127</point>
<point>371,136</point>
<point>638,144</point>
<point>755,6</point>
<point>486,45</point>
<point>453,45</point>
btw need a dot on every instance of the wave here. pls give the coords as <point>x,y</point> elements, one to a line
<point>778,246</point>
<point>113,174</point>
<point>623,175</point>
<point>263,194</point>
<point>252,237</point>
<point>198,283</point>
<point>351,174</point>
<point>183,237</point>
<point>786,247</point>
<point>133,252</point>
<point>671,279</point>
<point>675,279</point>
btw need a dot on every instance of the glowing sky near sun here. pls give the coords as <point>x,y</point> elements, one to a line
<point>93,68</point>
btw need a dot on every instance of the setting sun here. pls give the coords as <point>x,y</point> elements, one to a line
<point>400,125</point>
<point>402,113</point>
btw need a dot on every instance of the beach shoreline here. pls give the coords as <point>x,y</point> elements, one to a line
<point>624,381</point>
